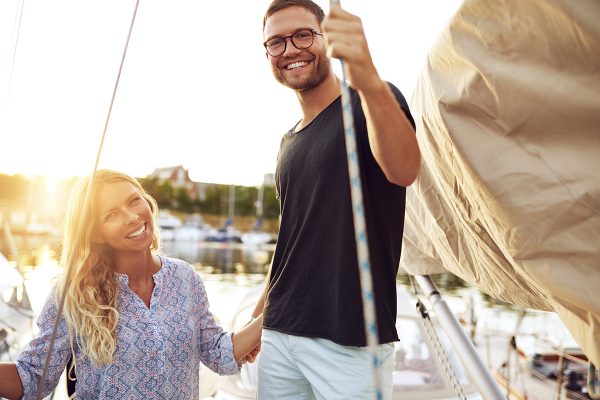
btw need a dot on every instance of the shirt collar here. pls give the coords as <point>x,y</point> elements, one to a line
<point>123,279</point>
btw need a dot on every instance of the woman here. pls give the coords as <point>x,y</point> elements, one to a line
<point>136,323</point>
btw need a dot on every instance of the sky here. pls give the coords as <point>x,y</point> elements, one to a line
<point>196,88</point>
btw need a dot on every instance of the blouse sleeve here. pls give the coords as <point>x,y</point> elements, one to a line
<point>30,363</point>
<point>214,344</point>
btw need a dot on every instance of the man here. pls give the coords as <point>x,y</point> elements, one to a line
<point>313,337</point>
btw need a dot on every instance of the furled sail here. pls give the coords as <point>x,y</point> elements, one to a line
<point>508,122</point>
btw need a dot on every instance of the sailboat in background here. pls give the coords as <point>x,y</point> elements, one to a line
<point>16,313</point>
<point>227,233</point>
<point>257,235</point>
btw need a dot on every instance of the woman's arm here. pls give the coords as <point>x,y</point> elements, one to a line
<point>30,362</point>
<point>10,382</point>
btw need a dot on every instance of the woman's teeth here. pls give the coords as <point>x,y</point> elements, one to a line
<point>138,232</point>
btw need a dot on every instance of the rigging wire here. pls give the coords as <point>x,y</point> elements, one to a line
<point>436,344</point>
<point>86,212</point>
<point>15,40</point>
<point>360,232</point>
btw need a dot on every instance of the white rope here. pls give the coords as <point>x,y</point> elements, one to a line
<point>86,210</point>
<point>360,232</point>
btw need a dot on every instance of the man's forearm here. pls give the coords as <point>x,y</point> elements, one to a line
<point>260,303</point>
<point>247,338</point>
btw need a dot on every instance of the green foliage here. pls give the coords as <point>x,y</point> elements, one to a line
<point>270,203</point>
<point>15,188</point>
<point>183,200</point>
<point>245,200</point>
<point>215,201</point>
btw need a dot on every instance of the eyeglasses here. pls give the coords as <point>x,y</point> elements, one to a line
<point>301,39</point>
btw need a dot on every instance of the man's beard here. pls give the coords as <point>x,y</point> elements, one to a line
<point>319,74</point>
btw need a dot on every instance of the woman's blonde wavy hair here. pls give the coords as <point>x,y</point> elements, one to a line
<point>91,296</point>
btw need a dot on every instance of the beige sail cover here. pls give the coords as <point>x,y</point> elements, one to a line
<point>508,122</point>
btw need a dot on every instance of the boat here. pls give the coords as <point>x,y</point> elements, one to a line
<point>418,373</point>
<point>551,372</point>
<point>507,192</point>
<point>225,234</point>
<point>16,315</point>
<point>168,223</point>
<point>194,229</point>
<point>256,238</point>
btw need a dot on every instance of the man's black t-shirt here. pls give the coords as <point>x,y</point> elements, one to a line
<point>314,287</point>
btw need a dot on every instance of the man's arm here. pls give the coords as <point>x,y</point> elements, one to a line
<point>391,135</point>
<point>257,313</point>
<point>10,382</point>
<point>247,339</point>
<point>260,303</point>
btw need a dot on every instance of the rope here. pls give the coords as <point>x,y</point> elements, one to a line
<point>362,248</point>
<point>86,210</point>
<point>16,34</point>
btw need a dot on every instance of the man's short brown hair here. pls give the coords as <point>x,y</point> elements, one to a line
<point>311,6</point>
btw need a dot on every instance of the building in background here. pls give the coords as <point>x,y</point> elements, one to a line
<point>179,177</point>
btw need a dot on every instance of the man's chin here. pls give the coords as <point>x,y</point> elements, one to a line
<point>302,84</point>
<point>299,86</point>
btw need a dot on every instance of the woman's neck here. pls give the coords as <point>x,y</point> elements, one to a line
<point>139,267</point>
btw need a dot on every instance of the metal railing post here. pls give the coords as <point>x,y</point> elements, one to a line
<point>471,360</point>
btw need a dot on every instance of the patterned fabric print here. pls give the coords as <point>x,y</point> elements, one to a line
<point>159,350</point>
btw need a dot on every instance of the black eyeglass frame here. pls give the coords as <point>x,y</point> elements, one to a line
<point>291,37</point>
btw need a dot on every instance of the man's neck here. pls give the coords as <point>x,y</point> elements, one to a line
<point>315,100</point>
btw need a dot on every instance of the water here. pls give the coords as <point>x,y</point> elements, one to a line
<point>239,264</point>
<point>219,260</point>
<point>222,257</point>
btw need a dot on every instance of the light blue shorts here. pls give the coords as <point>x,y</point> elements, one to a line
<point>297,367</point>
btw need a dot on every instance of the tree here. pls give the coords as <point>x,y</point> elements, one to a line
<point>270,203</point>
<point>183,200</point>
<point>165,195</point>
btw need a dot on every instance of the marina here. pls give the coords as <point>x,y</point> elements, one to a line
<point>234,275</point>
<point>497,228</point>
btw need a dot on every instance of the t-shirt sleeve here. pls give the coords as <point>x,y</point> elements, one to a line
<point>30,363</point>
<point>403,104</point>
<point>359,116</point>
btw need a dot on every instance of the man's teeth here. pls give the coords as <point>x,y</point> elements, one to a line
<point>138,232</point>
<point>296,65</point>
